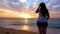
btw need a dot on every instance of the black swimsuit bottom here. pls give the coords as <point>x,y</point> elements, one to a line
<point>42,23</point>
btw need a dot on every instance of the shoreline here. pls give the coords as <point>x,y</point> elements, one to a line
<point>4,30</point>
<point>13,31</point>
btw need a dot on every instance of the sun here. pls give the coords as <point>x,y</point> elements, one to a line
<point>25,16</point>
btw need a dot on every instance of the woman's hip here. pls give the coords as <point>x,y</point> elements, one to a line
<point>42,23</point>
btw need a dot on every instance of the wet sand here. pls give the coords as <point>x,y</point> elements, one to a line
<point>10,29</point>
<point>13,31</point>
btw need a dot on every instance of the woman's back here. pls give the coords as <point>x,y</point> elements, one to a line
<point>42,18</point>
<point>43,13</point>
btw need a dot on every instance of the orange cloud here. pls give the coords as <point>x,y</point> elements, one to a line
<point>9,14</point>
<point>4,13</point>
<point>54,14</point>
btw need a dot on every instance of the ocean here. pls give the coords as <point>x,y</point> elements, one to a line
<point>29,24</point>
<point>53,22</point>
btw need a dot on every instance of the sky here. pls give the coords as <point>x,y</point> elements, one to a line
<point>21,8</point>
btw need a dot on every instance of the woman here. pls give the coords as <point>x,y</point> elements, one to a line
<point>43,17</point>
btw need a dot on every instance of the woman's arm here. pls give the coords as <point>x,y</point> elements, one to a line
<point>37,10</point>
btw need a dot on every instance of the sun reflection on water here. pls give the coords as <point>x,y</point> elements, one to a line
<point>26,21</point>
<point>25,27</point>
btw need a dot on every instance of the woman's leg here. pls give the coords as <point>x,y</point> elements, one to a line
<point>39,24</point>
<point>40,29</point>
<point>44,28</point>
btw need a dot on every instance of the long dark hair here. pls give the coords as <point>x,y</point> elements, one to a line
<point>43,9</point>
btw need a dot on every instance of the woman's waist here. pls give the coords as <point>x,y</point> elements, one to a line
<point>42,19</point>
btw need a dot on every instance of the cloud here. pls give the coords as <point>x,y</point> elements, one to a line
<point>15,3</point>
<point>9,14</point>
<point>20,5</point>
<point>34,5</point>
<point>4,4</point>
<point>55,6</point>
<point>23,0</point>
<point>11,5</point>
<point>54,14</point>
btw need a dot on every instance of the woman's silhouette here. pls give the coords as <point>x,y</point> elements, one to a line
<point>43,17</point>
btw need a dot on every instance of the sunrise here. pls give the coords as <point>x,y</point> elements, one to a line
<point>16,9</point>
<point>29,16</point>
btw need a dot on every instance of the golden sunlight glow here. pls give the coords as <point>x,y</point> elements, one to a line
<point>9,13</point>
<point>4,13</point>
<point>25,16</point>
<point>26,21</point>
<point>25,27</point>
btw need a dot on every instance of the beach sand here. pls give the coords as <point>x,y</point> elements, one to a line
<point>13,31</point>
